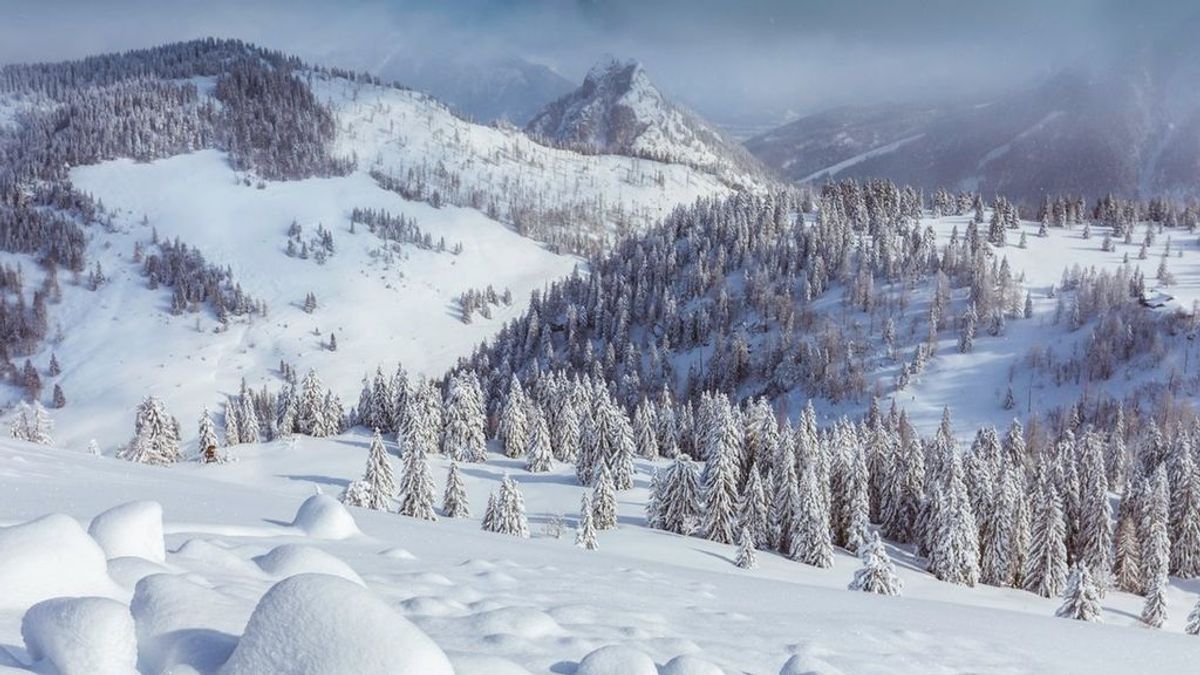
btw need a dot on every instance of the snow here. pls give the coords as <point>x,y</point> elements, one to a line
<point>315,624</point>
<point>324,517</point>
<point>132,529</point>
<point>616,660</point>
<point>830,172</point>
<point>290,559</point>
<point>49,557</point>
<point>685,664</point>
<point>181,621</point>
<point>81,636</point>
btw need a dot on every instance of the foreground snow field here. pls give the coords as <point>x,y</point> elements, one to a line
<point>492,603</point>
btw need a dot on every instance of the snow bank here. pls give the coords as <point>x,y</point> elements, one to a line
<point>525,622</point>
<point>616,660</point>
<point>324,517</point>
<point>479,664</point>
<point>181,623</point>
<point>808,664</point>
<point>129,570</point>
<point>686,664</point>
<point>83,636</point>
<point>291,559</point>
<point>50,557</point>
<point>312,624</point>
<point>132,529</point>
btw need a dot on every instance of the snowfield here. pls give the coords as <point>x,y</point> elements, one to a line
<point>488,603</point>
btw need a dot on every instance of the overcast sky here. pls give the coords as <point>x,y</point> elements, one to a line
<point>722,57</point>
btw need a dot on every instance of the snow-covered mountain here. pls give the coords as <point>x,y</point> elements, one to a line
<point>1129,128</point>
<point>618,110</point>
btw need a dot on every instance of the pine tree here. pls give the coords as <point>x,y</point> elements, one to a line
<point>455,503</point>
<point>1154,611</point>
<point>810,542</point>
<point>954,547</point>
<point>645,434</point>
<point>58,398</point>
<point>1185,543</point>
<point>1193,620</point>
<point>514,424</point>
<point>207,438</point>
<point>721,478</point>
<point>311,417</point>
<point>678,497</point>
<point>997,568</point>
<point>1046,566</point>
<point>785,495</point>
<point>752,511</point>
<point>233,424</point>
<point>604,502</point>
<point>378,478</point>
<point>1095,512</point>
<point>1156,549</point>
<point>538,458</point>
<point>745,558</point>
<point>463,437</point>
<point>877,574</point>
<point>1081,601</point>
<point>585,532</point>
<point>156,440</point>
<point>417,491</point>
<point>506,511</point>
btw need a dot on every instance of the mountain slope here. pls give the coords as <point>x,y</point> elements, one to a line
<point>618,110</point>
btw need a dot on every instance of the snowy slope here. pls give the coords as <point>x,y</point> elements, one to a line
<point>494,602</point>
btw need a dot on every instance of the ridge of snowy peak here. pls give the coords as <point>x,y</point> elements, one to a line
<point>610,67</point>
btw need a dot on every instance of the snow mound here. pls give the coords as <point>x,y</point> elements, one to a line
<point>81,636</point>
<point>214,555</point>
<point>324,517</point>
<point>808,664</point>
<point>686,664</point>
<point>525,622</point>
<point>50,557</point>
<point>131,529</point>
<point>129,570</point>
<point>290,559</point>
<point>480,664</point>
<point>616,660</point>
<point>312,624</point>
<point>426,605</point>
<point>397,554</point>
<point>182,623</point>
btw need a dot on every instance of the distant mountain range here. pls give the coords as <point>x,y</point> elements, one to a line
<point>1131,129</point>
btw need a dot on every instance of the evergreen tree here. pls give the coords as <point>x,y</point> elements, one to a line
<point>514,423</point>
<point>506,511</point>
<point>1193,620</point>
<point>785,497</point>
<point>207,438</point>
<point>997,568</point>
<point>463,438</point>
<point>233,424</point>
<point>720,478</point>
<point>1185,543</point>
<point>1156,550</point>
<point>1081,601</point>
<point>455,503</point>
<point>1046,566</point>
<point>954,547</point>
<point>1154,611</point>
<point>417,491</point>
<point>877,574</point>
<point>645,434</point>
<point>810,542</point>
<point>156,439</point>
<point>745,558</point>
<point>604,502</point>
<point>538,458</point>
<point>678,497</point>
<point>585,532</point>
<point>378,479</point>
<point>752,511</point>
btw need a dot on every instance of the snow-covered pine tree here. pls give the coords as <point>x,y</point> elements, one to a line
<point>720,477</point>
<point>585,531</point>
<point>233,424</point>
<point>785,493</point>
<point>1156,545</point>
<point>997,568</point>
<point>746,558</point>
<point>877,574</point>
<point>1095,511</point>
<point>455,503</point>
<point>417,491</point>
<point>678,497</point>
<point>21,428</point>
<point>538,458</point>
<point>463,436</point>
<point>604,502</point>
<point>810,542</point>
<point>249,426</point>
<point>1193,620</point>
<point>1154,611</point>
<point>207,439</point>
<point>1081,600</point>
<point>1185,519</point>
<point>507,511</point>
<point>752,511</point>
<point>1046,566</point>
<point>378,479</point>
<point>1127,557</point>
<point>311,417</point>
<point>513,431</point>
<point>155,440</point>
<point>565,434</point>
<point>645,437</point>
<point>954,549</point>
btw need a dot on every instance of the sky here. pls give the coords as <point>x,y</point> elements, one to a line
<point>729,59</point>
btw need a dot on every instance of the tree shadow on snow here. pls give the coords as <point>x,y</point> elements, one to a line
<point>318,479</point>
